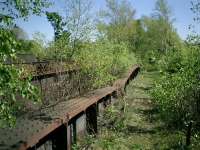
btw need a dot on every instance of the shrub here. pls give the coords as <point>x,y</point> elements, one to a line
<point>13,89</point>
<point>60,49</point>
<point>177,94</point>
<point>104,61</point>
<point>171,62</point>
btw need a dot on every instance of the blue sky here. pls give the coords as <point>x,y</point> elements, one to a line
<point>180,8</point>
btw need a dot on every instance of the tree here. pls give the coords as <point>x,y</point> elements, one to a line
<point>40,38</point>
<point>11,83</point>
<point>118,12</point>
<point>60,49</point>
<point>163,15</point>
<point>11,9</point>
<point>160,37</point>
<point>78,22</point>
<point>162,11</point>
<point>177,94</point>
<point>196,9</point>
<point>194,37</point>
<point>57,22</point>
<point>117,21</point>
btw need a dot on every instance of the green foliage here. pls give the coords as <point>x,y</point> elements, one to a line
<point>104,61</point>
<point>56,21</point>
<point>110,142</point>
<point>114,124</point>
<point>12,86</point>
<point>158,39</point>
<point>118,12</point>
<point>10,82</point>
<point>162,10</point>
<point>13,92</point>
<point>177,94</point>
<point>159,36</point>
<point>60,49</point>
<point>12,9</point>
<point>35,48</point>
<point>117,23</point>
<point>79,23</point>
<point>171,62</point>
<point>7,45</point>
<point>116,118</point>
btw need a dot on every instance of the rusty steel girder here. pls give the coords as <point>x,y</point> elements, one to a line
<point>32,127</point>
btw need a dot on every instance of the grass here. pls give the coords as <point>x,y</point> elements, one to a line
<point>133,123</point>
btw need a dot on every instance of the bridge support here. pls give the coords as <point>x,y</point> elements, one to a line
<point>69,139</point>
<point>59,139</point>
<point>71,134</point>
<point>91,119</point>
<point>107,101</point>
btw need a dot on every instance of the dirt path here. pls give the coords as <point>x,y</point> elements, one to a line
<point>138,127</point>
<point>142,121</point>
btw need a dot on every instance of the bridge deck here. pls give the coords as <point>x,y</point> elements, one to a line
<point>34,126</point>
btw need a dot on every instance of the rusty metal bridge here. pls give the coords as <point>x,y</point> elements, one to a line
<point>59,126</point>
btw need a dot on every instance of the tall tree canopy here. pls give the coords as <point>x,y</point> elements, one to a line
<point>117,21</point>
<point>57,22</point>
<point>118,11</point>
<point>162,10</point>
<point>160,35</point>
<point>11,9</point>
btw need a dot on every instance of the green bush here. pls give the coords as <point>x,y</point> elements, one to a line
<point>171,62</point>
<point>13,89</point>
<point>177,94</point>
<point>104,61</point>
<point>149,60</point>
<point>60,48</point>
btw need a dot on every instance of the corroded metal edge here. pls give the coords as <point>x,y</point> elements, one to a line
<point>73,108</point>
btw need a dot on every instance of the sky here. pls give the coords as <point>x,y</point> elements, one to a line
<point>180,9</point>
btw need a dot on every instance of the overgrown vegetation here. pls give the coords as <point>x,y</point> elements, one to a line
<point>159,48</point>
<point>176,93</point>
<point>102,59</point>
<point>133,122</point>
<point>104,47</point>
<point>11,84</point>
